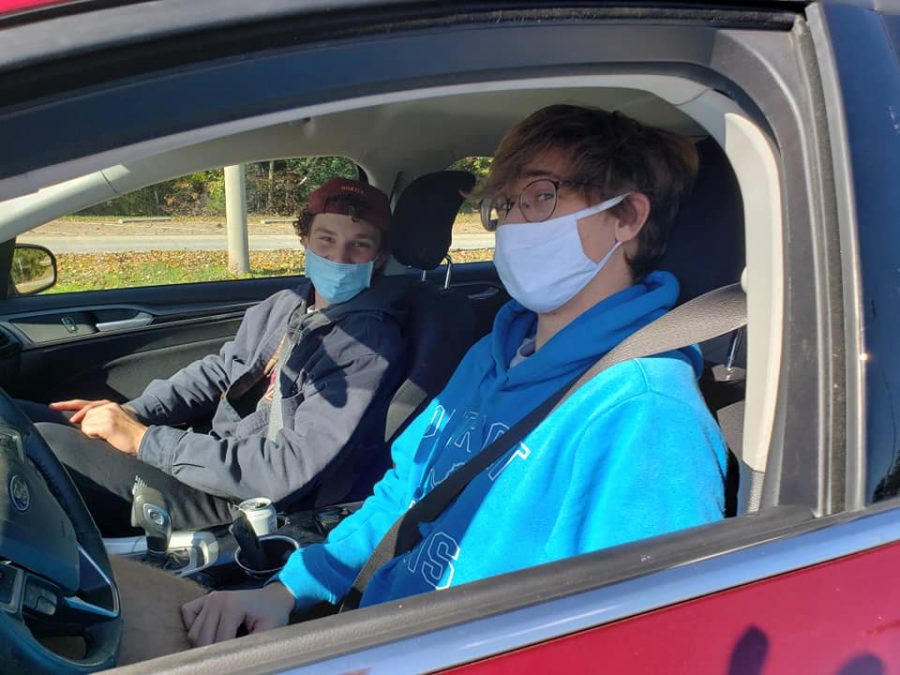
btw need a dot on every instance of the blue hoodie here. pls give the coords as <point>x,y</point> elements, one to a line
<point>633,453</point>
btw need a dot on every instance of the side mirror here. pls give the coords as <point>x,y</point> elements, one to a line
<point>33,270</point>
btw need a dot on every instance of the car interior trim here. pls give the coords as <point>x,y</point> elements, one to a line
<point>84,606</point>
<point>756,169</point>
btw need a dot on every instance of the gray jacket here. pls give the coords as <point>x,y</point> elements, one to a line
<point>336,382</point>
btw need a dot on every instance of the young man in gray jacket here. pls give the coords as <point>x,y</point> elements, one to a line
<point>297,400</point>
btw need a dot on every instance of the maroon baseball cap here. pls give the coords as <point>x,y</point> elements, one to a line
<point>365,202</point>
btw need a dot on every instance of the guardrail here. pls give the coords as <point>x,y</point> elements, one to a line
<point>145,219</point>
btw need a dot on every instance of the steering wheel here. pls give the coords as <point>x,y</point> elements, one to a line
<point>55,576</point>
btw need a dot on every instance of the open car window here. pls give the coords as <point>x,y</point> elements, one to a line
<point>177,231</point>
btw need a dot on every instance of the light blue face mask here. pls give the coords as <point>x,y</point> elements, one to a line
<point>338,282</point>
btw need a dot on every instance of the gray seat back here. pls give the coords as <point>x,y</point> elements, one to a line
<point>710,228</point>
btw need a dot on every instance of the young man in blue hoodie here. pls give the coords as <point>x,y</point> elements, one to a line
<point>582,201</point>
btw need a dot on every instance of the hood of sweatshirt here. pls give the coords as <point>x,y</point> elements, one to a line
<point>586,339</point>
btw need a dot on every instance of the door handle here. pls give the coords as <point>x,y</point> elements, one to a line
<point>137,321</point>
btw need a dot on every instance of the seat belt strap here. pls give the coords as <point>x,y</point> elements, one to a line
<point>710,315</point>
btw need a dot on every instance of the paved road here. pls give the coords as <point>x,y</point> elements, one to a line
<point>262,242</point>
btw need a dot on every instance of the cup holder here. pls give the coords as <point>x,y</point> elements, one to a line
<point>277,549</point>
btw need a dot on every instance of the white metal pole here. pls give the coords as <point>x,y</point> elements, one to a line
<point>236,219</point>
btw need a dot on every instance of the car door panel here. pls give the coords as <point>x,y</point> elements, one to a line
<point>110,344</point>
<point>118,366</point>
<point>479,281</point>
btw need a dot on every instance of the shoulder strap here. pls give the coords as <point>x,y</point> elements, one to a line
<point>708,316</point>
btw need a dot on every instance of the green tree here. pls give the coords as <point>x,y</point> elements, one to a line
<point>276,187</point>
<point>480,167</point>
<point>281,187</point>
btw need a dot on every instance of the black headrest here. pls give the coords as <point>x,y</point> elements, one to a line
<point>706,249</point>
<point>421,230</point>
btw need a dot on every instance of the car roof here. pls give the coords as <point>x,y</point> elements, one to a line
<point>377,137</point>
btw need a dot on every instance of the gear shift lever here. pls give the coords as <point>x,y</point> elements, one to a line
<point>150,511</point>
<point>248,542</point>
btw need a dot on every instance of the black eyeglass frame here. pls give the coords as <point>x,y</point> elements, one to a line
<point>491,224</point>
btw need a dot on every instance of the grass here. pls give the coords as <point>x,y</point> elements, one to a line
<point>103,271</point>
<point>97,271</point>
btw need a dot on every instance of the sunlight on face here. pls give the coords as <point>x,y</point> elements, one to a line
<point>343,239</point>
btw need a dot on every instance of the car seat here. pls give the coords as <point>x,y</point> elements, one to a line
<point>709,227</point>
<point>441,323</point>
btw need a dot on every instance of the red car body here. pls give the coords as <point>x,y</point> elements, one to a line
<point>835,617</point>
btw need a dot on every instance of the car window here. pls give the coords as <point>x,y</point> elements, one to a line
<point>471,242</point>
<point>174,232</point>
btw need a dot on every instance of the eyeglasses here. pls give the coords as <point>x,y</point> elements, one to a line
<point>537,202</point>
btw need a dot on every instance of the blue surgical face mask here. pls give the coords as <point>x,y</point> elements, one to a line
<point>338,282</point>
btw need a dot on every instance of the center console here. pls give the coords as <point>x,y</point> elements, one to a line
<point>211,556</point>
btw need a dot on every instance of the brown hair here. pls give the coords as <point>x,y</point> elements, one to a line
<point>612,153</point>
<point>303,224</point>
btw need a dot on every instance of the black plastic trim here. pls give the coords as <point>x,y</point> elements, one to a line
<point>162,300</point>
<point>281,22</point>
<point>867,72</point>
